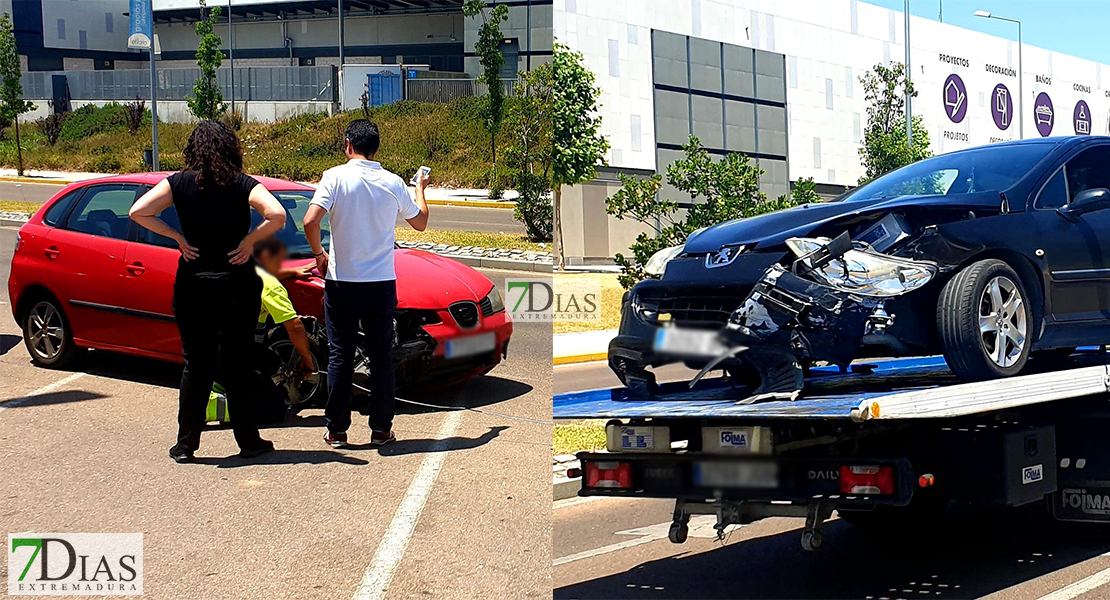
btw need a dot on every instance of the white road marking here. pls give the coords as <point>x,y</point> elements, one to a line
<point>375,583</point>
<point>1079,587</point>
<point>46,389</point>
<point>567,503</point>
<point>701,526</point>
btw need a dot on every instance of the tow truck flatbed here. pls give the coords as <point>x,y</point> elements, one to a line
<point>906,388</point>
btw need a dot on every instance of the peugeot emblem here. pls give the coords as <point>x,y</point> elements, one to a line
<point>723,257</point>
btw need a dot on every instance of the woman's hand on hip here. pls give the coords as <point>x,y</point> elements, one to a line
<point>243,253</point>
<point>189,252</point>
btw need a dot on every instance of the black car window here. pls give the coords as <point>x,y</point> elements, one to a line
<point>102,211</point>
<point>169,216</point>
<point>1088,170</point>
<point>1054,194</point>
<point>60,209</point>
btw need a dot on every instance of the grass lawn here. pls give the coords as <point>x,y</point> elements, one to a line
<point>575,436</point>
<point>610,305</point>
<point>511,241</point>
<point>14,206</point>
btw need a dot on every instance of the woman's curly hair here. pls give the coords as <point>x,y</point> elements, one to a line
<point>213,151</point>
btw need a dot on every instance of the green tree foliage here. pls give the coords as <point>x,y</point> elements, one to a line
<point>529,127</point>
<point>579,146</point>
<point>12,103</point>
<point>207,101</point>
<point>488,50</point>
<point>720,190</point>
<point>884,142</point>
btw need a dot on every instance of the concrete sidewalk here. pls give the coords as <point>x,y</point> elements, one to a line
<point>580,347</point>
<point>438,196</point>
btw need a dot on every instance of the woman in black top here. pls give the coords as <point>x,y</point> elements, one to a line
<point>217,294</point>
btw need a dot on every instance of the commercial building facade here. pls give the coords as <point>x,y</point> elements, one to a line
<point>967,84</point>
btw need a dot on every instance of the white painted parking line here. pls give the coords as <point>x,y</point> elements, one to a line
<point>46,389</point>
<point>375,583</point>
<point>700,526</point>
<point>1079,587</point>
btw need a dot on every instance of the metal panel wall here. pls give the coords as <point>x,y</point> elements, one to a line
<point>731,97</point>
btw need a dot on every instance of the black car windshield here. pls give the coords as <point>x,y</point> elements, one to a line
<point>296,205</point>
<point>987,169</point>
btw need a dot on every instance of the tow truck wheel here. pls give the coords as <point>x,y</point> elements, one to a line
<point>811,540</point>
<point>678,532</point>
<point>985,321</point>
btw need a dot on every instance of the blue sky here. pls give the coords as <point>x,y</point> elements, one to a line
<point>1076,27</point>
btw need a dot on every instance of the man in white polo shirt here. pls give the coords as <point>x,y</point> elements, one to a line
<point>363,201</point>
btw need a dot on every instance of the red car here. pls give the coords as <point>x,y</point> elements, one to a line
<point>85,276</point>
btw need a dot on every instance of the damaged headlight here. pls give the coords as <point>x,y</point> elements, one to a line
<point>658,261</point>
<point>863,271</point>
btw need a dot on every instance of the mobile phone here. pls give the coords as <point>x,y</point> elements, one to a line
<point>424,170</point>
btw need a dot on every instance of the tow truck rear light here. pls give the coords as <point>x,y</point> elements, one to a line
<point>609,474</point>
<point>866,479</point>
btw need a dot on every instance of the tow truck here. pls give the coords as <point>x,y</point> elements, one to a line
<point>882,443</point>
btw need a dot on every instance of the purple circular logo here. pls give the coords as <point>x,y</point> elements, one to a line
<point>955,98</point>
<point>1081,118</point>
<point>1043,115</point>
<point>1002,107</point>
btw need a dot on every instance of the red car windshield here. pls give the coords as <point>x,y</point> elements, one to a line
<point>296,205</point>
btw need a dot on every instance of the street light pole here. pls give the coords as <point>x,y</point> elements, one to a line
<point>153,111</point>
<point>1021,88</point>
<point>909,108</point>
<point>231,55</point>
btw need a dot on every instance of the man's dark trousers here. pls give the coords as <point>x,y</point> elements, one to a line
<point>346,304</point>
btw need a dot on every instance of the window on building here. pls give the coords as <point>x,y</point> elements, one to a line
<point>83,39</point>
<point>109,24</point>
<point>61,29</point>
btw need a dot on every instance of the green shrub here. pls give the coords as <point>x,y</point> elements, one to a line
<point>169,162</point>
<point>90,120</point>
<point>534,207</point>
<point>104,163</point>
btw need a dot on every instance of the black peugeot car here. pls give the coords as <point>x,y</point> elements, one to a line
<point>984,255</point>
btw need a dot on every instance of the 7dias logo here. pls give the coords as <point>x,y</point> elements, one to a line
<point>546,300</point>
<point>75,564</point>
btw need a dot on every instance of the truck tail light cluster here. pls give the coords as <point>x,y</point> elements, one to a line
<point>609,474</point>
<point>866,479</point>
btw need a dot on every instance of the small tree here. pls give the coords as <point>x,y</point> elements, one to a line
<point>579,146</point>
<point>12,103</point>
<point>488,50</point>
<point>884,142</point>
<point>133,113</point>
<point>722,190</point>
<point>207,101</point>
<point>529,127</point>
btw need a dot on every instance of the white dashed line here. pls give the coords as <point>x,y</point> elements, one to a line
<point>46,389</point>
<point>1080,587</point>
<point>375,583</point>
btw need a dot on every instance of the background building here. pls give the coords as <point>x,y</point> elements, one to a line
<point>650,55</point>
<point>56,35</point>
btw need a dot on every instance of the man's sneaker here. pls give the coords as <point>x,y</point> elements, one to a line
<point>181,455</point>
<point>336,439</point>
<point>263,447</point>
<point>381,438</point>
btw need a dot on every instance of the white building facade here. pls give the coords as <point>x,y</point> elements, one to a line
<point>967,82</point>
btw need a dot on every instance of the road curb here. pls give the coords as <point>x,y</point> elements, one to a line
<point>473,204</point>
<point>580,358</point>
<point>563,488</point>
<point>11,222</point>
<point>38,180</point>
<point>499,263</point>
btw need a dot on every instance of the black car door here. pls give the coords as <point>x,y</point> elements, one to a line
<point>1076,251</point>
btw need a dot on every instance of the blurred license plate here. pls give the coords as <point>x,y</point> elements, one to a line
<point>720,474</point>
<point>689,342</point>
<point>470,345</point>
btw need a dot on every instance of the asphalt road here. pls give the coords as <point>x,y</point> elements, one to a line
<point>459,507</point>
<point>618,548</point>
<point>451,218</point>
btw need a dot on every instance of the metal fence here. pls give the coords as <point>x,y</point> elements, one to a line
<point>446,90</point>
<point>274,84</point>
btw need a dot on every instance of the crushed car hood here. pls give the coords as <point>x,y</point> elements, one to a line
<point>424,280</point>
<point>774,228</point>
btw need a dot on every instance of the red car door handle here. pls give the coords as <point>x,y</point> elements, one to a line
<point>52,252</point>
<point>136,268</point>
